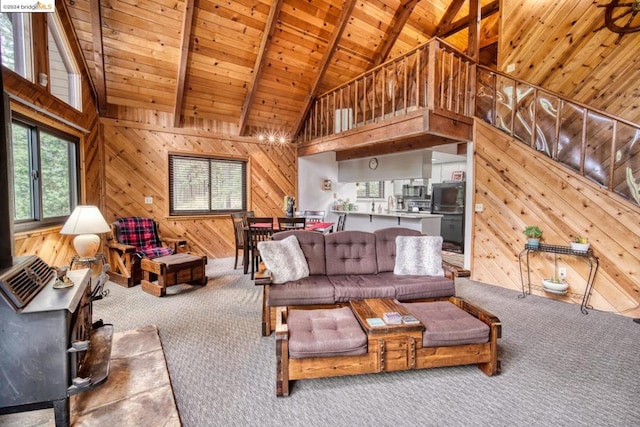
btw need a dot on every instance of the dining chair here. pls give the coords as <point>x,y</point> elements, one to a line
<point>260,229</point>
<point>314,216</point>
<point>342,219</point>
<point>286,223</point>
<point>238,219</point>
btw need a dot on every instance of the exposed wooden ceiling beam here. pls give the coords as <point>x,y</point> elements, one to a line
<point>463,23</point>
<point>475,15</point>
<point>187,24</point>
<point>449,14</point>
<point>343,19</point>
<point>399,20</point>
<point>98,56</point>
<point>258,68</point>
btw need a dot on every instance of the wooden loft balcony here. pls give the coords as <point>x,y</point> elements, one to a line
<point>422,99</point>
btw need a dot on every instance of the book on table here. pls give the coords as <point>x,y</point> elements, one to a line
<point>409,319</point>
<point>392,318</point>
<point>375,321</point>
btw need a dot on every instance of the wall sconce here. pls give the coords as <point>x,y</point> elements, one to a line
<point>43,79</point>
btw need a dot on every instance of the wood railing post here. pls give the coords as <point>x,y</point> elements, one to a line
<point>432,78</point>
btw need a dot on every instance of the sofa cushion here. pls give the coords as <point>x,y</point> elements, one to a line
<point>350,252</point>
<point>356,286</point>
<point>284,259</point>
<point>325,332</point>
<point>411,287</point>
<point>386,246</point>
<point>419,255</point>
<point>446,324</point>
<point>307,291</point>
<point>312,245</point>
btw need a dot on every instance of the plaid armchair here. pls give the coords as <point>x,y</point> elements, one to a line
<point>135,238</point>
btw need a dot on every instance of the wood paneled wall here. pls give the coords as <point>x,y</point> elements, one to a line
<point>136,166</point>
<point>519,186</point>
<point>562,46</point>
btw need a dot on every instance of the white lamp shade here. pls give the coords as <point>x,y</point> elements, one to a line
<point>85,221</point>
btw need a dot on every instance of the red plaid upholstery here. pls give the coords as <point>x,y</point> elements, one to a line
<point>143,234</point>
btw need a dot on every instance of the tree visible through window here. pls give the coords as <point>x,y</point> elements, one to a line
<point>206,185</point>
<point>370,190</point>
<point>45,174</point>
<point>15,31</point>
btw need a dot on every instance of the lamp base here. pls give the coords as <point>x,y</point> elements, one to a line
<point>87,245</point>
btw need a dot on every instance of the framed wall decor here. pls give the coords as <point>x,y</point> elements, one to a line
<point>457,176</point>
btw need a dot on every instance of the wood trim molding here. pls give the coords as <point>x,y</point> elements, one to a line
<point>258,68</point>
<point>187,24</point>
<point>399,20</point>
<point>98,56</point>
<point>343,20</point>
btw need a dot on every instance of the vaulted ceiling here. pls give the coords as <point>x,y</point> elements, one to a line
<point>249,64</point>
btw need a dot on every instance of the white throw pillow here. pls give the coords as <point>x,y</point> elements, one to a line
<point>419,255</point>
<point>284,259</point>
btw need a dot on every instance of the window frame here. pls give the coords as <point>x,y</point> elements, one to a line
<point>23,55</point>
<point>211,159</point>
<point>74,79</point>
<point>367,190</point>
<point>35,129</point>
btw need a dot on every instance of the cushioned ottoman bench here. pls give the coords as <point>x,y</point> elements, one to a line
<point>318,343</point>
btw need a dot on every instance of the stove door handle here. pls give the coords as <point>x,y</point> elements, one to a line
<point>77,346</point>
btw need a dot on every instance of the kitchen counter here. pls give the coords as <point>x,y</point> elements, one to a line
<point>424,222</point>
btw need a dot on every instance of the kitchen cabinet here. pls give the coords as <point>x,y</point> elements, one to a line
<point>452,229</point>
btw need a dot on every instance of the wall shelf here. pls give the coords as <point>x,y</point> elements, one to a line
<point>593,261</point>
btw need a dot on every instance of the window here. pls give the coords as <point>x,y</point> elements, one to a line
<point>45,174</point>
<point>15,30</point>
<point>64,79</point>
<point>370,190</point>
<point>206,185</point>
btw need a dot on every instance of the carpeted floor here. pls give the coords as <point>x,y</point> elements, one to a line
<point>559,367</point>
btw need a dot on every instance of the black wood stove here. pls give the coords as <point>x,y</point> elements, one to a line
<point>50,348</point>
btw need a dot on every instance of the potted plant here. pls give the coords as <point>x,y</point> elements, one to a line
<point>580,244</point>
<point>555,285</point>
<point>533,234</point>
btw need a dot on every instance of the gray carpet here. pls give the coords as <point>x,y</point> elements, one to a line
<point>559,367</point>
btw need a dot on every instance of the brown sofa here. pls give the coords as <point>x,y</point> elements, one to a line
<point>349,265</point>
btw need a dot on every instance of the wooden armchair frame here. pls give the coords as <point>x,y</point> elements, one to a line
<point>125,263</point>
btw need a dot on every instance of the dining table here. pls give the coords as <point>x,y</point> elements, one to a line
<point>320,227</point>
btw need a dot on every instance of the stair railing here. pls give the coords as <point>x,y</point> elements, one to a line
<point>434,75</point>
<point>597,145</point>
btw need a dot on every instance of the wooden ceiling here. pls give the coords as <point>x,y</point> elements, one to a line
<point>252,65</point>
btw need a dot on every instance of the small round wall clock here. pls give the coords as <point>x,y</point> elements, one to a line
<point>373,163</point>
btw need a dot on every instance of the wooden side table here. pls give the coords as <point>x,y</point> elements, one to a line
<point>170,270</point>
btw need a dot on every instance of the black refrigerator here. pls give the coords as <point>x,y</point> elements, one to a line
<point>447,199</point>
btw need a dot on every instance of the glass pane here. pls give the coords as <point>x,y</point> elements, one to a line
<point>227,185</point>
<point>56,163</point>
<point>504,104</point>
<point>23,206</point>
<point>626,178</point>
<point>524,113</point>
<point>484,95</point>
<point>190,190</point>
<point>546,117</point>
<point>16,43</point>
<point>570,138</point>
<point>58,73</point>
<point>598,152</point>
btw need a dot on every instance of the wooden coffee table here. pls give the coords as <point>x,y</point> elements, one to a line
<point>396,344</point>
<point>170,270</point>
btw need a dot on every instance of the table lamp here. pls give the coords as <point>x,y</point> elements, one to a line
<point>85,222</point>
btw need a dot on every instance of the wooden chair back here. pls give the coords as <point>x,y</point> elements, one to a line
<point>286,223</point>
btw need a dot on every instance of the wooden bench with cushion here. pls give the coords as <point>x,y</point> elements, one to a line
<point>318,343</point>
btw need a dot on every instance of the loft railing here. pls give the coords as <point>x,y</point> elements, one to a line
<point>432,76</point>
<point>599,146</point>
